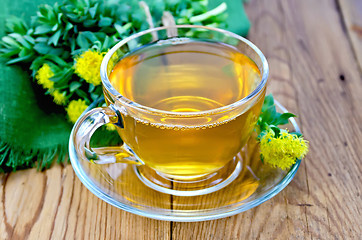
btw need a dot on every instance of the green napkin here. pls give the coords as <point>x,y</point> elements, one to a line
<point>28,132</point>
<point>33,130</point>
<point>30,129</point>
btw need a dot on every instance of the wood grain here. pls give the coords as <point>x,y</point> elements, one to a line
<point>314,52</point>
<point>314,73</point>
<point>351,17</point>
<point>55,205</point>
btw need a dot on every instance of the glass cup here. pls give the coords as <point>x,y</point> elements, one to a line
<point>181,152</point>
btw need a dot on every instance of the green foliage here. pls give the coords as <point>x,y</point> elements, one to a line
<point>278,147</point>
<point>271,119</point>
<point>59,33</point>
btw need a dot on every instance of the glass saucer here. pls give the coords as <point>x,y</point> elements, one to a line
<point>119,185</point>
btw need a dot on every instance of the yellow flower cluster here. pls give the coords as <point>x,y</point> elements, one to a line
<point>75,109</point>
<point>282,151</point>
<point>43,76</point>
<point>87,66</point>
<point>59,98</point>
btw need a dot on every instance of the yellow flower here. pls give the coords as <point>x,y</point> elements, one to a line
<point>87,66</point>
<point>75,109</point>
<point>43,76</point>
<point>282,151</point>
<point>59,98</point>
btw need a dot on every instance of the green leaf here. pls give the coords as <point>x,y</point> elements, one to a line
<point>202,17</point>
<point>19,59</point>
<point>93,10</point>
<point>82,41</point>
<point>81,94</point>
<point>20,39</point>
<point>41,39</point>
<point>48,12</point>
<point>275,129</point>
<point>42,48</point>
<point>74,85</point>
<point>90,23</point>
<point>68,75</point>
<point>55,38</point>
<point>10,42</point>
<point>37,63</point>
<point>197,7</point>
<point>16,25</point>
<point>59,61</point>
<point>105,45</point>
<point>123,11</point>
<point>56,51</point>
<point>105,22</point>
<point>119,28</point>
<point>62,77</point>
<point>268,102</point>
<point>269,114</point>
<point>74,17</point>
<point>298,134</point>
<point>55,27</point>
<point>60,15</point>
<point>91,88</point>
<point>91,36</point>
<point>41,19</point>
<point>68,26</point>
<point>8,53</point>
<point>25,52</point>
<point>30,39</point>
<point>283,118</point>
<point>73,44</point>
<point>94,96</point>
<point>43,29</point>
<point>58,76</point>
<point>30,31</point>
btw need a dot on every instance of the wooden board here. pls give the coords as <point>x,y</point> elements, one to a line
<point>314,73</point>
<point>55,205</point>
<point>351,17</point>
<point>314,56</point>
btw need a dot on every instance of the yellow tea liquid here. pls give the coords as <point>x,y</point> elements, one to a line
<point>192,77</point>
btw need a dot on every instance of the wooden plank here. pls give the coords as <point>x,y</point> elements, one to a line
<point>352,17</point>
<point>314,74</point>
<point>54,204</point>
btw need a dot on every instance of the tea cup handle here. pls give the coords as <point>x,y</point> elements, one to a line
<point>87,125</point>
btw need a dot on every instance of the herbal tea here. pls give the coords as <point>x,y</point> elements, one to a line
<point>191,77</point>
